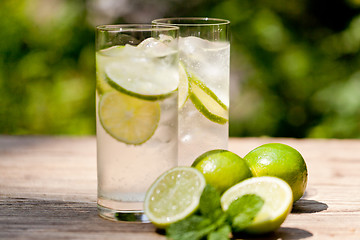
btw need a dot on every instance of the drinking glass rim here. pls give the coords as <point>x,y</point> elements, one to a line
<point>138,27</point>
<point>215,21</point>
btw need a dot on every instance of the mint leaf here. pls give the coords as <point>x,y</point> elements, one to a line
<point>193,227</point>
<point>209,202</point>
<point>243,210</point>
<point>223,233</point>
<point>210,221</point>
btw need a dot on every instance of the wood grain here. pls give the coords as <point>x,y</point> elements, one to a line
<point>48,190</point>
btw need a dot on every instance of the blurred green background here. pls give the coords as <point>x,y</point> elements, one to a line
<point>294,64</point>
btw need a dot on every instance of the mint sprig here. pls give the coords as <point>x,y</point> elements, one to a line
<point>211,222</point>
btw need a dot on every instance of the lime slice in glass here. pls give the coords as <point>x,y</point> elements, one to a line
<point>128,119</point>
<point>143,72</point>
<point>142,81</point>
<point>174,196</point>
<point>277,196</point>
<point>207,102</point>
<point>101,60</point>
<point>183,86</point>
<point>101,85</point>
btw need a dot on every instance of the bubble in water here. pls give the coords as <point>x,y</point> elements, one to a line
<point>186,138</point>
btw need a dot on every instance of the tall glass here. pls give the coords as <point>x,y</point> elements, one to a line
<point>137,78</point>
<point>204,49</point>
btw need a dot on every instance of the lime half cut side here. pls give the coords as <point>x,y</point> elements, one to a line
<point>128,119</point>
<point>142,79</point>
<point>207,102</point>
<point>277,196</point>
<point>174,196</point>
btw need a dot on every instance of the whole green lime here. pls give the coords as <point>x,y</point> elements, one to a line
<point>279,160</point>
<point>222,169</point>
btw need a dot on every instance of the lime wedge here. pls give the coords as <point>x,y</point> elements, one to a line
<point>207,102</point>
<point>128,119</point>
<point>277,196</point>
<point>183,86</point>
<point>174,196</point>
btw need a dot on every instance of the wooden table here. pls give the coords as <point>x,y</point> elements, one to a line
<point>48,190</point>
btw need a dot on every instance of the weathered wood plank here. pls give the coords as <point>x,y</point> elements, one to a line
<point>25,218</point>
<point>48,190</point>
<point>46,167</point>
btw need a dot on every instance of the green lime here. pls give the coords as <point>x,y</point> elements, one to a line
<point>128,119</point>
<point>280,160</point>
<point>183,86</point>
<point>277,196</point>
<point>174,196</point>
<point>207,102</point>
<point>222,169</point>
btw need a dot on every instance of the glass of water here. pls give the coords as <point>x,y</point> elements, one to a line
<point>137,78</point>
<point>204,49</point>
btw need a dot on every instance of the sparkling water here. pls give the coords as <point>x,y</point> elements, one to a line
<point>126,170</point>
<point>209,62</point>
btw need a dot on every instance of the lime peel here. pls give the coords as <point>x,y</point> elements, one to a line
<point>282,161</point>
<point>222,168</point>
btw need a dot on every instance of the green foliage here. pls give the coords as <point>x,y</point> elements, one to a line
<point>46,68</point>
<point>298,68</point>
<point>294,64</point>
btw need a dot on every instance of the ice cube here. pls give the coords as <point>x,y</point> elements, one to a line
<point>193,44</point>
<point>156,48</point>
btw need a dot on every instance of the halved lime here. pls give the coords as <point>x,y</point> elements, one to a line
<point>277,196</point>
<point>174,196</point>
<point>207,102</point>
<point>183,86</point>
<point>128,119</point>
